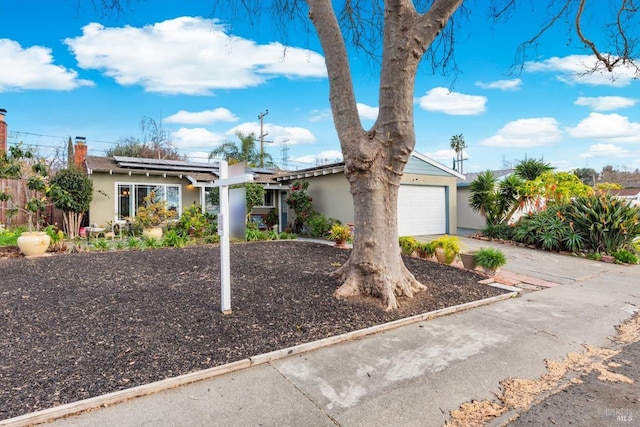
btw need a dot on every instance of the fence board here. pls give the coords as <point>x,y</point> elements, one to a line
<point>19,196</point>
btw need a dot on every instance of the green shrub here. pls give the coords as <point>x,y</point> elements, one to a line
<point>498,231</point>
<point>625,257</point>
<point>253,234</point>
<point>172,239</point>
<point>489,258</point>
<point>151,242</point>
<point>319,225</point>
<point>101,245</point>
<point>408,245</point>
<point>212,238</point>
<point>288,236</point>
<point>134,243</point>
<point>10,237</point>
<point>193,222</point>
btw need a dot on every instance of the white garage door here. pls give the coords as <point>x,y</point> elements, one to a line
<point>421,210</point>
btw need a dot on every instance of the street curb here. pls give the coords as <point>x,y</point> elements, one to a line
<point>109,399</point>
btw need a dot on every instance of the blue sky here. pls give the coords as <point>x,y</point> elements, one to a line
<point>66,70</point>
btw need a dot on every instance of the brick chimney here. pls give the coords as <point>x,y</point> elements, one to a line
<point>3,131</point>
<point>80,152</point>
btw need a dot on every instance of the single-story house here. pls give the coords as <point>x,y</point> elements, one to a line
<point>468,219</point>
<point>426,199</point>
<point>632,195</point>
<point>121,183</point>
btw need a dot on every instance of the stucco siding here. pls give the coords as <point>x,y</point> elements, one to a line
<point>331,196</point>
<point>467,218</point>
<point>103,206</point>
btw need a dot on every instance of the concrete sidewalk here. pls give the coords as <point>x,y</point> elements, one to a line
<point>413,375</point>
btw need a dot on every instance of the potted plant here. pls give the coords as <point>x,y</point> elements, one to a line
<point>408,245</point>
<point>152,214</point>
<point>340,234</point>
<point>426,250</point>
<point>20,165</point>
<point>490,259</point>
<point>272,218</point>
<point>447,248</point>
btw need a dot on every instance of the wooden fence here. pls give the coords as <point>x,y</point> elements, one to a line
<point>19,196</point>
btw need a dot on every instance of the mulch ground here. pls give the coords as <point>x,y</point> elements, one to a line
<point>74,326</point>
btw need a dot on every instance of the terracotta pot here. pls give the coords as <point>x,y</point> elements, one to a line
<point>468,261</point>
<point>441,256</point>
<point>152,232</point>
<point>341,243</point>
<point>34,243</point>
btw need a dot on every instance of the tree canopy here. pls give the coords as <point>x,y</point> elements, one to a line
<point>156,143</point>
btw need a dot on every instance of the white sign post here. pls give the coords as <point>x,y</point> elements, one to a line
<point>224,230</point>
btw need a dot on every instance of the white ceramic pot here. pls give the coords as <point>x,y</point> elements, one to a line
<point>34,243</point>
<point>152,233</point>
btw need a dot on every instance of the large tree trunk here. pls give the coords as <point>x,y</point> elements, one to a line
<point>375,160</point>
<point>375,266</point>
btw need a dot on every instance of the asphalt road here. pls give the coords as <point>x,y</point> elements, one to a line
<point>593,402</point>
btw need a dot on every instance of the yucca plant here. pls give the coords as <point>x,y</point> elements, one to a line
<point>607,223</point>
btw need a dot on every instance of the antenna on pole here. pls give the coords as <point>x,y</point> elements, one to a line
<point>262,135</point>
<point>285,153</point>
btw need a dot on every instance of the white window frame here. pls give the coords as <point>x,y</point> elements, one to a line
<point>133,204</point>
<point>264,199</point>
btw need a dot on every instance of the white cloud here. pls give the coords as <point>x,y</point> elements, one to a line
<point>574,69</point>
<point>32,68</point>
<point>526,133</point>
<point>442,155</point>
<point>603,151</point>
<point>320,115</point>
<point>367,112</point>
<point>276,134</point>
<point>324,157</point>
<point>205,117</point>
<point>606,103</point>
<point>440,99</point>
<point>513,84</point>
<point>185,138</point>
<point>199,156</point>
<point>188,55</point>
<point>608,127</point>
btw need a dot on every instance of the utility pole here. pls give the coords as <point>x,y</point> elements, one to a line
<point>262,135</point>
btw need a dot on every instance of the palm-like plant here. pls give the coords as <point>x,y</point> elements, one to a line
<point>246,151</point>
<point>530,169</point>
<point>458,144</point>
<point>496,202</point>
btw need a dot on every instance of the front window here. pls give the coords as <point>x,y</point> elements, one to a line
<point>269,197</point>
<point>131,196</point>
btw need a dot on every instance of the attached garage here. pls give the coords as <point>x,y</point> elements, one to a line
<point>426,199</point>
<point>422,210</point>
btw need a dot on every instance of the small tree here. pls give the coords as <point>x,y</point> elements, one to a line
<point>70,154</point>
<point>300,202</point>
<point>72,193</point>
<point>20,163</point>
